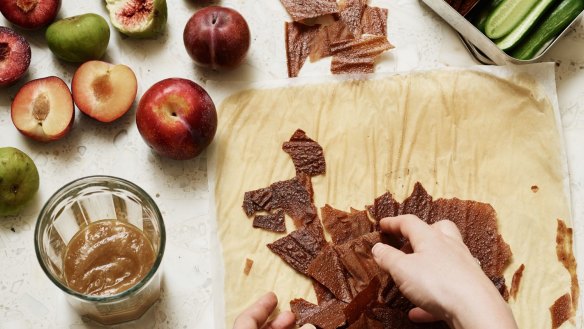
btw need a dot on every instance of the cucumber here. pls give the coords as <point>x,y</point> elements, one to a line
<point>507,16</point>
<point>526,24</point>
<point>481,18</point>
<point>552,26</point>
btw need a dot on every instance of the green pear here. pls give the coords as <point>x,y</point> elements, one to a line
<point>19,180</point>
<point>138,19</point>
<point>79,38</point>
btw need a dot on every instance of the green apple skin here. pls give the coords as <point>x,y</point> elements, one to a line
<point>151,26</point>
<point>79,38</point>
<point>19,180</point>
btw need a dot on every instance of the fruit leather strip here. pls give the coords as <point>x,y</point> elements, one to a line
<point>343,226</point>
<point>329,315</point>
<point>321,44</point>
<point>298,40</point>
<point>477,223</point>
<point>561,310</point>
<point>499,283</point>
<point>257,200</point>
<point>365,323</point>
<point>322,293</point>
<point>358,261</point>
<point>397,319</point>
<point>350,65</point>
<point>305,9</point>
<point>367,46</point>
<point>362,300</point>
<point>384,206</point>
<point>419,203</point>
<point>271,222</point>
<point>565,253</point>
<point>302,309</point>
<point>516,281</point>
<point>307,155</point>
<point>374,21</point>
<point>299,248</point>
<point>351,14</point>
<point>327,269</point>
<point>295,197</point>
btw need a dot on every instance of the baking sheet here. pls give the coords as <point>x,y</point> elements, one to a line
<point>543,73</point>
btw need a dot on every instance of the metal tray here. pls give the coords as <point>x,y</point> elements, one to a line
<point>483,49</point>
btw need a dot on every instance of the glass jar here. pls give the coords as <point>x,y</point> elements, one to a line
<point>81,203</point>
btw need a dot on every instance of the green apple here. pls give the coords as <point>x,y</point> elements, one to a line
<point>79,38</point>
<point>138,19</point>
<point>19,180</point>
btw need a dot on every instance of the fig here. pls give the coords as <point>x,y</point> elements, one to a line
<point>30,14</point>
<point>19,180</point>
<point>14,56</point>
<point>138,18</point>
<point>79,38</point>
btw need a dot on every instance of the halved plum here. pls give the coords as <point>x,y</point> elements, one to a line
<point>30,14</point>
<point>43,109</point>
<point>104,91</point>
<point>14,56</point>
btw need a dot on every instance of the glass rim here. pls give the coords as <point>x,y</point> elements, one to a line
<point>125,293</point>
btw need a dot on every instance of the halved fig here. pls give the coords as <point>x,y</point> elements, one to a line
<point>30,14</point>
<point>14,56</point>
<point>138,18</point>
<point>43,109</point>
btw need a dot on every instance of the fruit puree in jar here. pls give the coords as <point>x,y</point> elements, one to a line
<point>107,257</point>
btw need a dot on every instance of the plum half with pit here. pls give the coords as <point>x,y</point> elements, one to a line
<point>30,14</point>
<point>14,56</point>
<point>217,37</point>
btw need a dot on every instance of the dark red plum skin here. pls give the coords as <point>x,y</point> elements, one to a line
<point>30,14</point>
<point>15,55</point>
<point>217,37</point>
<point>177,118</point>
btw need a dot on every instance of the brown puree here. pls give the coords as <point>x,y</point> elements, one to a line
<point>107,257</point>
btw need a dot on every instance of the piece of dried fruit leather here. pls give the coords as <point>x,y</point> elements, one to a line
<point>272,222</point>
<point>374,21</point>
<point>351,12</point>
<point>350,65</point>
<point>298,248</point>
<point>302,309</point>
<point>305,9</point>
<point>327,269</point>
<point>329,316</point>
<point>295,197</point>
<point>343,226</point>
<point>358,261</point>
<point>397,319</point>
<point>477,223</point>
<point>419,203</point>
<point>327,34</point>
<point>362,300</point>
<point>367,46</point>
<point>322,293</point>
<point>257,200</point>
<point>298,40</point>
<point>307,155</point>
<point>366,323</point>
<point>384,206</point>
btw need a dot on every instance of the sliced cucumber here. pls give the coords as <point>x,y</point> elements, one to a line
<point>551,27</point>
<point>526,24</point>
<point>507,16</point>
<point>481,18</point>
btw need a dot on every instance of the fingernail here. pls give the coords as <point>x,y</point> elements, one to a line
<point>308,326</point>
<point>377,249</point>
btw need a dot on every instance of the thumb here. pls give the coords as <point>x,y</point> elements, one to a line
<point>386,256</point>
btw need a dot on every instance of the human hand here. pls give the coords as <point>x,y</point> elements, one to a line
<point>441,276</point>
<point>255,316</point>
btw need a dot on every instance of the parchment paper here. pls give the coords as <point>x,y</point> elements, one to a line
<point>461,133</point>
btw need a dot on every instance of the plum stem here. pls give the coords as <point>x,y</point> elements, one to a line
<point>27,5</point>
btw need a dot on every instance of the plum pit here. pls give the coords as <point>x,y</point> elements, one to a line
<point>41,108</point>
<point>102,88</point>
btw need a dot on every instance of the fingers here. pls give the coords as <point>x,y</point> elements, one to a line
<point>308,326</point>
<point>257,314</point>
<point>386,256</point>
<point>284,320</point>
<point>418,315</point>
<point>408,226</point>
<point>448,228</point>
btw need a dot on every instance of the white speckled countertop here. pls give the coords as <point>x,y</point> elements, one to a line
<point>29,300</point>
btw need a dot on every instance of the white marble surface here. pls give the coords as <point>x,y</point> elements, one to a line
<point>29,300</point>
